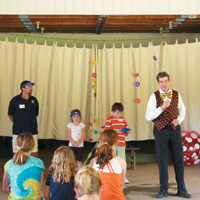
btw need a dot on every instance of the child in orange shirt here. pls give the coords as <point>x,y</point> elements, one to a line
<point>112,168</point>
<point>117,122</point>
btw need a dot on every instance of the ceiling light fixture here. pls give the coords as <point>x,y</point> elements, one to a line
<point>170,25</point>
<point>161,30</point>
<point>38,25</point>
<point>42,30</point>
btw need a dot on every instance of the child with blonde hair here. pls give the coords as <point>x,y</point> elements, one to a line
<point>23,175</point>
<point>111,167</point>
<point>76,134</point>
<point>60,181</point>
<point>88,184</point>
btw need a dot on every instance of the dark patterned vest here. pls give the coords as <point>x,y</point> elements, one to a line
<point>169,114</point>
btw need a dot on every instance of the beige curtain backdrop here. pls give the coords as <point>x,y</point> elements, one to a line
<point>64,81</point>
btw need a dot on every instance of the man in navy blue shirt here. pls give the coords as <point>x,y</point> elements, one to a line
<point>23,111</point>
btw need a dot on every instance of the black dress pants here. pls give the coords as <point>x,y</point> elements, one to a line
<point>170,140</point>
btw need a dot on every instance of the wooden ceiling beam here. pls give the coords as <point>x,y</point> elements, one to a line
<point>98,24</point>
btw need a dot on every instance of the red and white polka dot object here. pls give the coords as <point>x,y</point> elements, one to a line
<point>191,147</point>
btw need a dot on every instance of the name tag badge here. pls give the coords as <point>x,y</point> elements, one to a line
<point>21,106</point>
<point>120,120</point>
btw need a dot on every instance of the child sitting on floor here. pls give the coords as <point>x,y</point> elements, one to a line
<point>60,181</point>
<point>23,174</point>
<point>112,168</point>
<point>88,184</point>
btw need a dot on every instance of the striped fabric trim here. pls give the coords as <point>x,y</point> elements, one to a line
<point>115,118</point>
<point>118,124</point>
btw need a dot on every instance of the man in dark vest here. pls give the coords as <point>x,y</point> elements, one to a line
<point>23,111</point>
<point>166,109</point>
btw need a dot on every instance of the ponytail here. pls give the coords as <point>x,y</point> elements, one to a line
<point>20,158</point>
<point>103,155</point>
<point>25,142</point>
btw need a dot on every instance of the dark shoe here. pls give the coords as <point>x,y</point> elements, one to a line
<point>161,194</point>
<point>184,194</point>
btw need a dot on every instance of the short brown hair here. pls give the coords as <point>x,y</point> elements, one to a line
<point>117,106</point>
<point>161,75</point>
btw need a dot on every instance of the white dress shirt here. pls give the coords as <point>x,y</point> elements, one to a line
<point>153,112</point>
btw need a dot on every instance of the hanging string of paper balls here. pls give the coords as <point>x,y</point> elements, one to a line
<point>137,84</point>
<point>94,80</point>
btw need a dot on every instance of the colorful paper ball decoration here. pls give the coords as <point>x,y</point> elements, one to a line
<point>94,80</point>
<point>94,62</point>
<point>94,75</point>
<point>137,84</point>
<point>136,74</point>
<point>154,57</point>
<point>94,87</point>
<point>137,100</point>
